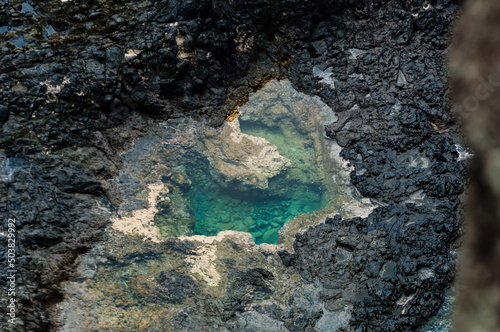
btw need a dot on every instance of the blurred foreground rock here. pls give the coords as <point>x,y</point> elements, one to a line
<point>476,84</point>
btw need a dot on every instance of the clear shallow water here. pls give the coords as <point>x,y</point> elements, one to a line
<point>260,212</point>
<point>124,294</point>
<point>269,166</point>
<point>284,120</point>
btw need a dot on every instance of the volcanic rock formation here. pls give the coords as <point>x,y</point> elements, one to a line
<point>81,81</point>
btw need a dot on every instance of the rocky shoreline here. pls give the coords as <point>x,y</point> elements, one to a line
<point>73,101</point>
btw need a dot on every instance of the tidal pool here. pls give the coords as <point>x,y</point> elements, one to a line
<point>265,167</point>
<point>260,178</point>
<point>269,172</point>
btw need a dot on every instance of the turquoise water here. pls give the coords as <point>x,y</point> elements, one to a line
<point>211,197</point>
<point>259,212</point>
<point>125,295</point>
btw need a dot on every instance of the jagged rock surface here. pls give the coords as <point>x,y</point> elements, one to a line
<point>70,104</point>
<point>242,160</point>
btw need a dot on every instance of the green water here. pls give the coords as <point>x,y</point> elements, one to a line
<point>271,166</point>
<point>259,212</point>
<point>202,205</point>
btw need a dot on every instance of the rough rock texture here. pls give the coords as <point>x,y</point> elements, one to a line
<point>71,103</point>
<point>278,107</point>
<point>242,160</point>
<point>476,80</point>
<point>395,127</point>
<point>140,222</point>
<point>176,285</point>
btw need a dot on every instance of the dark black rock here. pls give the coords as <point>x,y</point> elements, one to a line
<point>74,104</point>
<point>4,114</point>
<point>286,258</point>
<point>176,286</point>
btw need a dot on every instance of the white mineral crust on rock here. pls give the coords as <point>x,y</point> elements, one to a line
<point>141,222</point>
<point>245,160</point>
